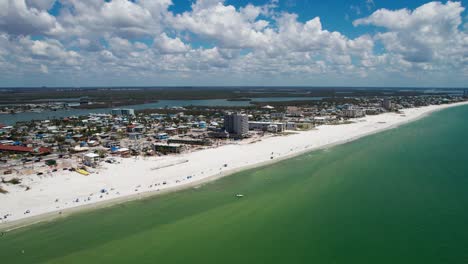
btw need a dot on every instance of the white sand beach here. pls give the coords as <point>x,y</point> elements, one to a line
<point>63,192</point>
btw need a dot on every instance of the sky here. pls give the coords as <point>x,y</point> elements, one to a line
<point>78,43</point>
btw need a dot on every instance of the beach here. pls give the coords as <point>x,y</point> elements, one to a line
<point>65,192</point>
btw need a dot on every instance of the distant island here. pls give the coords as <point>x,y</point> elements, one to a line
<point>239,99</point>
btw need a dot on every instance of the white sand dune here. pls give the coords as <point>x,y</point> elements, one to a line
<point>135,178</point>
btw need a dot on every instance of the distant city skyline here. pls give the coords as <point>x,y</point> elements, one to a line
<point>368,43</point>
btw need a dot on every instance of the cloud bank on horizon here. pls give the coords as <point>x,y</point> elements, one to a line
<point>213,42</point>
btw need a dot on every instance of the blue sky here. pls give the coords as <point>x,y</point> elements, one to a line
<point>233,42</point>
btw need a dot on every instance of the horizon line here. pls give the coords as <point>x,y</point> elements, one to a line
<point>229,86</point>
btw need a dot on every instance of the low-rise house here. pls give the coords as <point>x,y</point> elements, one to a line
<point>79,148</point>
<point>161,136</point>
<point>139,128</point>
<point>202,124</point>
<point>90,159</point>
<point>135,136</point>
<point>93,143</point>
<point>124,152</point>
<point>171,130</point>
<point>276,115</point>
<point>79,137</point>
<point>182,129</point>
<point>320,120</point>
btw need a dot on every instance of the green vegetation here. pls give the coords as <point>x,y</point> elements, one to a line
<point>12,181</point>
<point>110,97</point>
<point>197,110</point>
<point>51,162</point>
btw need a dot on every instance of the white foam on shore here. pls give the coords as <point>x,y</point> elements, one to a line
<point>136,178</point>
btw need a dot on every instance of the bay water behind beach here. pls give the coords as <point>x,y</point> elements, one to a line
<point>400,196</point>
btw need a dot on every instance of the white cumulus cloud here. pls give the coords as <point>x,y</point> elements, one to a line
<point>142,40</point>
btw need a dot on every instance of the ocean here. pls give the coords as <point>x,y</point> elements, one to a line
<point>400,196</point>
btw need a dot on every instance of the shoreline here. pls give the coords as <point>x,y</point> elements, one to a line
<point>330,136</point>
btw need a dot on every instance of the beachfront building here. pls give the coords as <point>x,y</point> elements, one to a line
<point>372,111</point>
<point>353,112</point>
<point>201,142</point>
<point>123,112</point>
<point>167,148</point>
<point>24,150</point>
<point>307,125</point>
<point>273,127</point>
<point>387,104</point>
<point>218,134</point>
<point>236,124</point>
<point>320,120</point>
<point>124,152</point>
<point>91,159</point>
<point>291,126</point>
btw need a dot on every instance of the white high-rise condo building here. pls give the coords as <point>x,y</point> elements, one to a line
<point>236,124</point>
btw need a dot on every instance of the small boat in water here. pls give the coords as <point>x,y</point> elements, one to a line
<point>239,195</point>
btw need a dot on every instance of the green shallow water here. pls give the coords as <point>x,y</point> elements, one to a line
<point>400,196</point>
